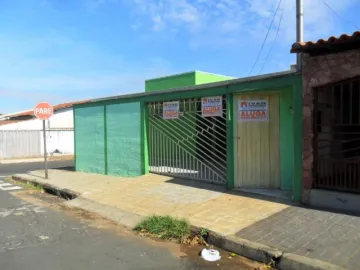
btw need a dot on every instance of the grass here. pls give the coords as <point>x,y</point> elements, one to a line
<point>165,227</point>
<point>27,185</point>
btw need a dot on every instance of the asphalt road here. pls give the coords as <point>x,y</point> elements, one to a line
<point>9,169</point>
<point>38,233</point>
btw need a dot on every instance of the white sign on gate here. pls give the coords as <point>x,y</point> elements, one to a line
<point>211,106</point>
<point>253,110</point>
<point>171,110</point>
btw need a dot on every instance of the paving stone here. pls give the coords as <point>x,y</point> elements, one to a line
<point>322,235</point>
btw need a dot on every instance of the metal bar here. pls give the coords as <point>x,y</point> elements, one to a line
<point>315,137</point>
<point>184,137</point>
<point>341,103</point>
<point>45,152</point>
<point>184,146</point>
<point>351,102</point>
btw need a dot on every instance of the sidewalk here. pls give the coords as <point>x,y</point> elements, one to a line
<point>252,221</point>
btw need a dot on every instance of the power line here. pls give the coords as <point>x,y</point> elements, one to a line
<point>267,34</point>
<point>273,43</point>
<point>340,17</point>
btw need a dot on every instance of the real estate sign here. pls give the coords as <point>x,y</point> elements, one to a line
<point>253,110</point>
<point>171,110</point>
<point>211,106</point>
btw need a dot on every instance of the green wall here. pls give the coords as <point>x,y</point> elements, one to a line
<point>181,80</point>
<point>286,139</point>
<point>108,139</point>
<point>175,81</point>
<point>203,77</point>
<point>89,138</point>
<point>124,139</point>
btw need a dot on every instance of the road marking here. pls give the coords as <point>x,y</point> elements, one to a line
<point>8,186</point>
<point>5,185</point>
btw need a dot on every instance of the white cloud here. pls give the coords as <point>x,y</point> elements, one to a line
<point>233,20</point>
<point>32,73</point>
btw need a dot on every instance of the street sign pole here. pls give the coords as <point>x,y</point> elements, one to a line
<point>45,152</point>
<point>43,111</point>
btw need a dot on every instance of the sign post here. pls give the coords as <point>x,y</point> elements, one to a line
<point>43,111</point>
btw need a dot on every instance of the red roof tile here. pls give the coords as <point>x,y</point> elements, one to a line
<point>56,108</point>
<point>323,43</point>
<point>7,122</point>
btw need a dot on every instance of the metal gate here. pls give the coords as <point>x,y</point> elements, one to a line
<point>337,136</point>
<point>191,146</point>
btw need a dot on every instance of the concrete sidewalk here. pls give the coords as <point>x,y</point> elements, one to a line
<point>253,226</point>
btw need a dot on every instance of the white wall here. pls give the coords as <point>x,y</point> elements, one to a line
<point>62,141</point>
<point>60,119</point>
<point>30,143</point>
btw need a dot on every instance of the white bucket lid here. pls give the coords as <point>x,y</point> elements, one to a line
<point>210,255</point>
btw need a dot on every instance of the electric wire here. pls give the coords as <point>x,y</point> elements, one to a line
<point>338,15</point>
<point>273,43</point>
<point>266,36</point>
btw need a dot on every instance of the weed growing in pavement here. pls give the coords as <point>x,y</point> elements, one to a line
<point>165,227</point>
<point>27,185</point>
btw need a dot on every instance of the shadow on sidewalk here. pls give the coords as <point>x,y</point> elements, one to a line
<point>225,190</point>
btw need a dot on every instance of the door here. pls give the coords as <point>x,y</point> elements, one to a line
<point>258,147</point>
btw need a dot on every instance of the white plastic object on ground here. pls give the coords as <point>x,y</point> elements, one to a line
<point>210,255</point>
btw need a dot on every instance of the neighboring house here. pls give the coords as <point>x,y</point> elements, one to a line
<point>21,133</point>
<point>62,119</point>
<point>331,121</point>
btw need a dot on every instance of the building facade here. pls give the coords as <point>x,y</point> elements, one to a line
<point>240,133</point>
<point>331,121</point>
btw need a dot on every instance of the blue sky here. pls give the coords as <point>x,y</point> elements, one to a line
<point>65,50</point>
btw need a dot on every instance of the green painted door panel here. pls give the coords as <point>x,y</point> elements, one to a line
<point>89,139</point>
<point>124,155</point>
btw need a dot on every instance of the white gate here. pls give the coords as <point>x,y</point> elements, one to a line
<point>191,146</point>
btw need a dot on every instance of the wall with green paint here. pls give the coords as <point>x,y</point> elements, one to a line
<point>272,82</point>
<point>89,138</point>
<point>174,81</point>
<point>181,80</point>
<point>204,77</point>
<point>286,139</point>
<point>124,143</point>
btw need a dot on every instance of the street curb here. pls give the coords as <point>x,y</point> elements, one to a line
<point>64,193</point>
<point>127,219</point>
<point>232,243</point>
<point>243,247</point>
<point>297,262</point>
<point>265,254</point>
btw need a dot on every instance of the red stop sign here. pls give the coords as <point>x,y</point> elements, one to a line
<point>43,111</point>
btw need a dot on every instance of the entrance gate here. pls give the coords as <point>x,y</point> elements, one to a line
<point>191,146</point>
<point>337,136</point>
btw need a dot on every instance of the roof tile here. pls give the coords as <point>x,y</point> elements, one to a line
<point>305,46</point>
<point>56,108</point>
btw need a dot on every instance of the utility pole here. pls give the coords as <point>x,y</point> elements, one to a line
<point>299,29</point>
